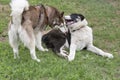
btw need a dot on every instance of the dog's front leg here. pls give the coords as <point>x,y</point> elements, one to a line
<point>71,56</point>
<point>38,38</point>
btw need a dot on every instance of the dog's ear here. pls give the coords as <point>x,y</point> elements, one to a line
<point>45,38</point>
<point>62,14</point>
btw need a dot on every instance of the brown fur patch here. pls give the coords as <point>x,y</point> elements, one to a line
<point>33,14</point>
<point>34,18</point>
<point>38,17</point>
<point>53,14</point>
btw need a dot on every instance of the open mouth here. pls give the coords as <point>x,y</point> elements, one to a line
<point>69,21</point>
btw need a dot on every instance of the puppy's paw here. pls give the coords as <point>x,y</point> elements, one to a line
<point>65,56</point>
<point>65,52</point>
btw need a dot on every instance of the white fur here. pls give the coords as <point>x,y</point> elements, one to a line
<point>78,25</point>
<point>13,40</point>
<point>16,30</point>
<point>81,38</point>
<point>18,6</point>
<point>38,37</point>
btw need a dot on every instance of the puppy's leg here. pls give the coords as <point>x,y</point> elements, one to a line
<point>71,56</point>
<point>38,38</point>
<point>13,40</point>
<point>98,51</point>
<point>62,52</point>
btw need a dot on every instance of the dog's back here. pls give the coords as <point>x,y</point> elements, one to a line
<point>37,15</point>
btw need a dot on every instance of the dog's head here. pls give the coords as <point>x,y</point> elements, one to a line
<point>75,21</point>
<point>55,17</point>
<point>59,20</point>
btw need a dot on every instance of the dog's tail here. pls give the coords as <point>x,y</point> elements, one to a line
<point>17,8</point>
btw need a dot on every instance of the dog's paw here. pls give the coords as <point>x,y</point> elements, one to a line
<point>38,60</point>
<point>109,55</point>
<point>44,49</point>
<point>70,58</point>
<point>16,56</point>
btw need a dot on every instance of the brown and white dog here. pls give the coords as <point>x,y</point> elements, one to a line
<point>28,22</point>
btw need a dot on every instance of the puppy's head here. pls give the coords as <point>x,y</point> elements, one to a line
<point>75,21</point>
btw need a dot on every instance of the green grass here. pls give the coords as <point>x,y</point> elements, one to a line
<point>103,16</point>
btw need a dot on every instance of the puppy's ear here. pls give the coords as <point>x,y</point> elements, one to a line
<point>45,38</point>
<point>62,13</point>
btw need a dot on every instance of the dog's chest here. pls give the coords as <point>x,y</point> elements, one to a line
<point>81,37</point>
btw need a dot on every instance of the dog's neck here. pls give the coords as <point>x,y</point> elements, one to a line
<point>78,25</point>
<point>77,29</point>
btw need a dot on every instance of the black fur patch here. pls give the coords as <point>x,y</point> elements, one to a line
<point>68,35</point>
<point>74,16</point>
<point>54,40</point>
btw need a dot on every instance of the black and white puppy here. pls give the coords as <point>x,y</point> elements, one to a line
<point>80,37</point>
<point>55,40</point>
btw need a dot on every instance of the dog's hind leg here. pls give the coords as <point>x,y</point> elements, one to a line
<point>29,42</point>
<point>99,51</point>
<point>38,41</point>
<point>26,35</point>
<point>13,40</point>
<point>31,47</point>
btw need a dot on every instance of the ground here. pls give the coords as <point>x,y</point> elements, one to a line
<point>104,18</point>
